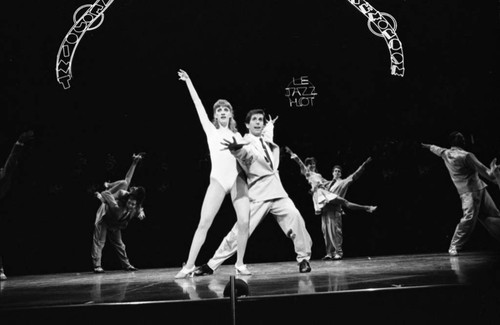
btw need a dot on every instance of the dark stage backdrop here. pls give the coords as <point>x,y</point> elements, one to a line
<point>125,97</point>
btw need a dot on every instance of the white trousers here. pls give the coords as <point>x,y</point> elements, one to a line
<point>287,216</point>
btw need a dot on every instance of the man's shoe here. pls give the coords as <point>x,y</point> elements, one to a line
<point>131,268</point>
<point>327,258</point>
<point>337,256</point>
<point>98,270</point>
<point>203,270</point>
<point>453,251</point>
<point>304,266</point>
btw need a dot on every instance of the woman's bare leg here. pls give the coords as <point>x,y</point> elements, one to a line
<point>354,206</point>
<point>241,203</point>
<point>211,204</point>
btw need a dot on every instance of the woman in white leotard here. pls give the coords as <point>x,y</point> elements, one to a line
<point>225,177</point>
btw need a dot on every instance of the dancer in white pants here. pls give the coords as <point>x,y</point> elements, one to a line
<point>259,157</point>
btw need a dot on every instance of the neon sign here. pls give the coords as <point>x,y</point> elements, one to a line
<point>301,92</point>
<point>91,19</point>
<point>385,30</point>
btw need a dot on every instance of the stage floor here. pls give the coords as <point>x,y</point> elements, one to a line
<point>361,275</point>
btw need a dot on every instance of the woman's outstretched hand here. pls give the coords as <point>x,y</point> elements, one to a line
<point>183,75</point>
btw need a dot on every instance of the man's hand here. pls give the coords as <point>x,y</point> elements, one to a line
<point>494,171</point>
<point>99,196</point>
<point>141,215</point>
<point>289,151</point>
<point>232,146</point>
<point>271,120</point>
<point>139,156</point>
<point>25,136</point>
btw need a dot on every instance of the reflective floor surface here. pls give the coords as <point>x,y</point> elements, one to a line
<point>269,282</point>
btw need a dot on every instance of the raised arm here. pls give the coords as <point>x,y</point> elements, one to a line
<point>361,169</point>
<point>200,109</point>
<point>494,171</point>
<point>14,153</point>
<point>294,157</point>
<point>131,170</point>
<point>438,151</point>
<point>268,131</point>
<point>481,169</point>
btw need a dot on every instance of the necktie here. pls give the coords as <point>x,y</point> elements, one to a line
<point>268,157</point>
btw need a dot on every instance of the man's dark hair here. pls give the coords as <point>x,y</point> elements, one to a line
<point>254,112</point>
<point>138,194</point>
<point>456,139</point>
<point>338,167</point>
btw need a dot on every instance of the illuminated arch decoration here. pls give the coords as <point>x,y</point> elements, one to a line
<point>91,19</point>
<point>385,30</point>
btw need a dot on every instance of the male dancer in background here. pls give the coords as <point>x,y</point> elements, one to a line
<point>464,169</point>
<point>331,215</point>
<point>119,206</point>
<point>329,201</point>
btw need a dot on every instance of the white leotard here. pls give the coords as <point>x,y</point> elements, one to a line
<point>224,165</point>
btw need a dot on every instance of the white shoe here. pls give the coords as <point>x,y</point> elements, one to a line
<point>242,270</point>
<point>371,209</point>
<point>184,273</point>
<point>3,276</point>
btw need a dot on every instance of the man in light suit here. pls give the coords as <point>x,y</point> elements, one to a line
<point>259,157</point>
<point>464,169</point>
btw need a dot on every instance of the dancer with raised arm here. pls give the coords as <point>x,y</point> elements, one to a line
<point>226,177</point>
<point>6,173</point>
<point>120,203</point>
<point>331,215</point>
<point>464,169</point>
<point>328,204</point>
<point>260,157</point>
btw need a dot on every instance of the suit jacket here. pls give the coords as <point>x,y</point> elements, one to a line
<point>264,182</point>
